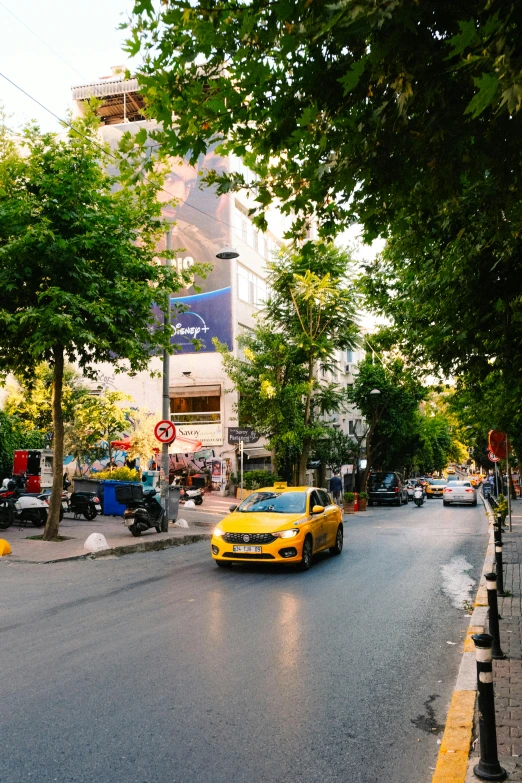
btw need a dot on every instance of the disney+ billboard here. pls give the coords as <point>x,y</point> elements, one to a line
<point>206,316</point>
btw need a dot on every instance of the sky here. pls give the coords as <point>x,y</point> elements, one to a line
<point>83,33</point>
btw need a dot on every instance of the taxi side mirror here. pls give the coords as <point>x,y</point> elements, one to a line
<point>317,509</point>
<point>232,508</point>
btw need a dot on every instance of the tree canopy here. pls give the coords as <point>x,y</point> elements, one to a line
<point>352,109</point>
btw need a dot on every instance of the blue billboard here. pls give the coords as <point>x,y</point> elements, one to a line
<point>206,316</point>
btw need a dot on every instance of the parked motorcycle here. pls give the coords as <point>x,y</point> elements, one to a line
<point>142,514</point>
<point>17,506</point>
<point>78,503</point>
<point>418,496</point>
<point>188,493</point>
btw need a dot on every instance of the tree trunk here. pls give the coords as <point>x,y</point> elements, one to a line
<point>305,453</point>
<point>303,462</point>
<point>53,517</point>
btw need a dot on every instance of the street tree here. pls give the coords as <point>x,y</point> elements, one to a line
<point>30,398</point>
<point>98,421</point>
<point>309,316</point>
<point>78,264</point>
<point>388,394</point>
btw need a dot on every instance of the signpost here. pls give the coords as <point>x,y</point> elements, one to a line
<point>165,432</point>
<point>245,434</point>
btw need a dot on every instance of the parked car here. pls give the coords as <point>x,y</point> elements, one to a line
<point>387,487</point>
<point>459,492</point>
<point>410,486</point>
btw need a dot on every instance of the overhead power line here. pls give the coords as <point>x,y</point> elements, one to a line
<point>42,40</point>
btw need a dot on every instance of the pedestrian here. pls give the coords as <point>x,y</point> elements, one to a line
<point>336,487</point>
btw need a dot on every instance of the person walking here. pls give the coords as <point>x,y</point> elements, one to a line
<point>336,487</point>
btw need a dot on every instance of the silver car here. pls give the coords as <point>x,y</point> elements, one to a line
<point>459,492</point>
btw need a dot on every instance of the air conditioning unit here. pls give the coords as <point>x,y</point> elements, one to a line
<point>348,368</point>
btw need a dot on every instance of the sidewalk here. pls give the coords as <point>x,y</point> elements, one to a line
<point>507,674</point>
<point>119,539</point>
<point>460,749</point>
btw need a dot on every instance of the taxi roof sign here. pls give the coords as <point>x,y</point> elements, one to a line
<point>280,485</point>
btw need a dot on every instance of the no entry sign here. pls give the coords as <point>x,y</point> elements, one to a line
<point>165,431</point>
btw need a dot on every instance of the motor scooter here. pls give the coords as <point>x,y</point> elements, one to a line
<point>18,506</point>
<point>418,496</point>
<point>190,493</point>
<point>85,504</point>
<point>142,514</point>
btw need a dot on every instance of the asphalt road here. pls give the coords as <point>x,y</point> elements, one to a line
<point>161,668</point>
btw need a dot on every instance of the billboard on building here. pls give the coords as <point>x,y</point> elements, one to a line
<point>200,228</point>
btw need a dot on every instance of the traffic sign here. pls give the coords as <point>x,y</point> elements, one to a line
<point>493,457</point>
<point>165,431</point>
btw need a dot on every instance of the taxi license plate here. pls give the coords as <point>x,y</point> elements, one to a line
<point>251,549</point>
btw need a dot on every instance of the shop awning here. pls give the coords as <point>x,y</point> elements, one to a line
<point>181,445</point>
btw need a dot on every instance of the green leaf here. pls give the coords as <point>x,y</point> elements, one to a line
<point>351,79</point>
<point>488,88</point>
<point>463,40</point>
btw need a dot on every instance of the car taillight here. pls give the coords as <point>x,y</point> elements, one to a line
<point>96,500</point>
<point>396,489</point>
<point>469,490</point>
<point>447,490</point>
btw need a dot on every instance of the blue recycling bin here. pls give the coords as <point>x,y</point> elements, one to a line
<point>110,505</point>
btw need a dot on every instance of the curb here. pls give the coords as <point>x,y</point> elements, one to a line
<point>131,549</point>
<point>452,762</point>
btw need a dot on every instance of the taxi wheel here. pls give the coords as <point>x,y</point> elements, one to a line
<point>222,564</point>
<point>338,547</point>
<point>306,560</point>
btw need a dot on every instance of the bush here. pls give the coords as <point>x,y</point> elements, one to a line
<point>349,497</point>
<point>117,474</point>
<point>253,479</point>
<point>502,507</point>
<point>363,496</point>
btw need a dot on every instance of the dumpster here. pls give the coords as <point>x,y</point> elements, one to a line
<point>127,492</point>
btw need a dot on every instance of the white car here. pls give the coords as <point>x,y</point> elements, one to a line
<point>459,492</point>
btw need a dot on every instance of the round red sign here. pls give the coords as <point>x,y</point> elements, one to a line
<point>165,431</point>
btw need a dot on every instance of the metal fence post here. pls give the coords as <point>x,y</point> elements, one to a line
<point>488,767</point>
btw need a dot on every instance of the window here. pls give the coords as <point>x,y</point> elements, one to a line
<point>242,330</point>
<point>195,410</point>
<point>351,427</point>
<point>350,357</point>
<point>250,287</point>
<point>324,498</point>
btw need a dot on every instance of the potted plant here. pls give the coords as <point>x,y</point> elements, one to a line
<point>349,502</point>
<point>363,501</point>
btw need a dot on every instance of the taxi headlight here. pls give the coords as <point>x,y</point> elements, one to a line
<point>287,533</point>
<point>218,532</point>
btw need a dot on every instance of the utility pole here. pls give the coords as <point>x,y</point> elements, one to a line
<point>166,405</point>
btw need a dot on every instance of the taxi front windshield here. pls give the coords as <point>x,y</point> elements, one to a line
<point>275,502</point>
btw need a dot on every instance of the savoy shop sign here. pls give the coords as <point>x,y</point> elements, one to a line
<point>245,434</point>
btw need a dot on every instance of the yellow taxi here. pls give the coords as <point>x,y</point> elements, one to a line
<point>279,524</point>
<point>475,479</point>
<point>435,488</point>
<point>450,471</point>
